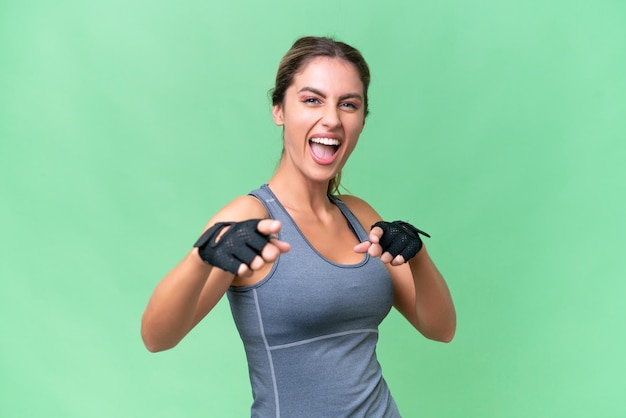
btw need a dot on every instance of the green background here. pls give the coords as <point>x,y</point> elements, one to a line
<point>498,126</point>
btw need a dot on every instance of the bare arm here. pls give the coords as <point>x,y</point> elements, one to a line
<point>423,297</point>
<point>192,288</point>
<point>420,291</point>
<point>172,309</point>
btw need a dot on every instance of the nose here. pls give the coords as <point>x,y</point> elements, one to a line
<point>331,118</point>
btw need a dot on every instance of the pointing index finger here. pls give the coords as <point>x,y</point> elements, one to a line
<point>268,227</point>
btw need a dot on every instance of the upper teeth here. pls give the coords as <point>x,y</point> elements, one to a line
<point>325,141</point>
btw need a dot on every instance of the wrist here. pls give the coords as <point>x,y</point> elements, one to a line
<point>197,262</point>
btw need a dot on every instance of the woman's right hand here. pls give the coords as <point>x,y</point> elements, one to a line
<point>193,287</point>
<point>241,247</point>
<point>270,251</point>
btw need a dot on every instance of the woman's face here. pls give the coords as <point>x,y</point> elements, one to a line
<point>323,115</point>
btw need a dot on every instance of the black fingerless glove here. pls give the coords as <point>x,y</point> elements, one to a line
<point>400,238</point>
<point>239,244</point>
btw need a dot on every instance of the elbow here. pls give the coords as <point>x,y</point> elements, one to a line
<point>153,345</point>
<point>154,342</point>
<point>154,349</point>
<point>442,336</point>
<point>150,343</point>
<point>447,337</point>
<point>442,332</point>
<point>151,348</point>
<point>449,331</point>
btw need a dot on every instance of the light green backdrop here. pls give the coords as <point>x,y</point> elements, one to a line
<point>498,126</point>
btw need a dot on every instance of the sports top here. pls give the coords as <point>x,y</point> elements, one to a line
<point>310,329</point>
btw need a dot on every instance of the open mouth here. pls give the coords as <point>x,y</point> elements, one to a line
<point>324,149</point>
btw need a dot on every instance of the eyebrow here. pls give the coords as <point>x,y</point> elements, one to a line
<point>342,97</point>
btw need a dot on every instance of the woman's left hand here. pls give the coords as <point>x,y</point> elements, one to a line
<point>394,242</point>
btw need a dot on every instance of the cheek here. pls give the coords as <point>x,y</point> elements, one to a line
<point>355,128</point>
<point>293,136</point>
<point>297,126</point>
<point>352,146</point>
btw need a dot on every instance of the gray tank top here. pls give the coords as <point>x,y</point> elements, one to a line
<point>310,329</point>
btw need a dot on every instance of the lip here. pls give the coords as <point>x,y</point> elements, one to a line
<point>325,160</point>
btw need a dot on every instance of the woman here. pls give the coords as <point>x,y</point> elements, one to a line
<point>307,278</point>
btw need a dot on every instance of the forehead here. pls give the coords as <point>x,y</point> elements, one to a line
<point>329,74</point>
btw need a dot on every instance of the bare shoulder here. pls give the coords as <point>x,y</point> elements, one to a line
<point>240,209</point>
<point>364,212</point>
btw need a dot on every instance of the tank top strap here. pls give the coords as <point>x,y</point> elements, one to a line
<point>356,226</point>
<point>271,203</point>
<point>277,211</point>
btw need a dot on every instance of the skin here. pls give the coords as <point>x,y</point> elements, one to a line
<point>325,100</point>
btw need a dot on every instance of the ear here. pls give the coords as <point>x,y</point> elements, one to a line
<point>277,114</point>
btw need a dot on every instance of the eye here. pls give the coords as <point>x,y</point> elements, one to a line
<point>349,105</point>
<point>311,100</point>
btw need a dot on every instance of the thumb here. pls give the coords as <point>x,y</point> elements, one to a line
<point>362,247</point>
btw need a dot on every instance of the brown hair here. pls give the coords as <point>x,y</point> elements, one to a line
<point>304,50</point>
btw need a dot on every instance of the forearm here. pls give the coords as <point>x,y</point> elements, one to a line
<point>436,315</point>
<point>171,310</point>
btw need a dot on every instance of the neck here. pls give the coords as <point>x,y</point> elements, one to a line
<point>300,194</point>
